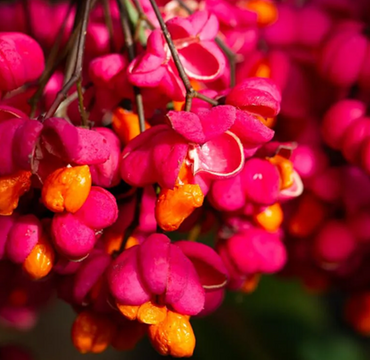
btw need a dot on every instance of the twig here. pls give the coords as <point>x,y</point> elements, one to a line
<point>81,107</point>
<point>190,92</point>
<point>131,55</point>
<point>29,27</point>
<point>142,14</point>
<point>109,24</point>
<point>52,63</point>
<point>142,18</point>
<point>78,67</point>
<point>185,7</point>
<point>231,56</point>
<point>69,100</point>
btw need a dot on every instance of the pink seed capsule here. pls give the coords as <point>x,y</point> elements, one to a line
<point>107,174</point>
<point>227,195</point>
<point>353,139</point>
<point>334,243</point>
<point>364,77</point>
<point>89,273</point>
<point>72,238</point>
<point>25,141</point>
<point>338,118</point>
<point>99,210</point>
<point>359,225</point>
<point>22,60</point>
<point>6,223</point>
<point>365,155</point>
<point>328,185</point>
<point>261,181</point>
<point>8,129</point>
<point>23,237</point>
<point>343,55</point>
<point>73,144</point>
<point>283,31</point>
<point>313,25</point>
<point>256,250</point>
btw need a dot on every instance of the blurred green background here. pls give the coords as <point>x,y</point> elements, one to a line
<point>279,321</point>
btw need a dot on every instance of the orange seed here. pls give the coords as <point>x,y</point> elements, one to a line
<point>67,188</point>
<point>126,125</point>
<point>150,313</point>
<point>285,168</point>
<point>131,241</point>
<point>174,336</point>
<point>174,206</point>
<point>40,261</point>
<point>266,10</point>
<point>270,218</point>
<point>250,284</point>
<point>12,187</point>
<point>112,240</point>
<point>129,311</point>
<point>308,217</point>
<point>92,332</point>
<point>357,312</point>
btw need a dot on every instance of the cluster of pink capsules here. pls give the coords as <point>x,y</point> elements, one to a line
<point>124,121</point>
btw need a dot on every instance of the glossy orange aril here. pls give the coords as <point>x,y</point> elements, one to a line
<point>92,333</point>
<point>174,336</point>
<point>174,206</point>
<point>270,218</point>
<point>40,261</point>
<point>267,12</point>
<point>12,187</point>
<point>67,189</point>
<point>126,125</point>
<point>286,170</point>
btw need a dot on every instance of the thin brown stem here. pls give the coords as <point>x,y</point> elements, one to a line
<point>28,18</point>
<point>130,46</point>
<point>79,60</point>
<point>52,61</point>
<point>185,7</point>
<point>172,47</point>
<point>142,15</point>
<point>71,62</point>
<point>190,92</point>
<point>72,53</point>
<point>72,97</point>
<point>231,56</point>
<point>84,119</point>
<point>109,24</point>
